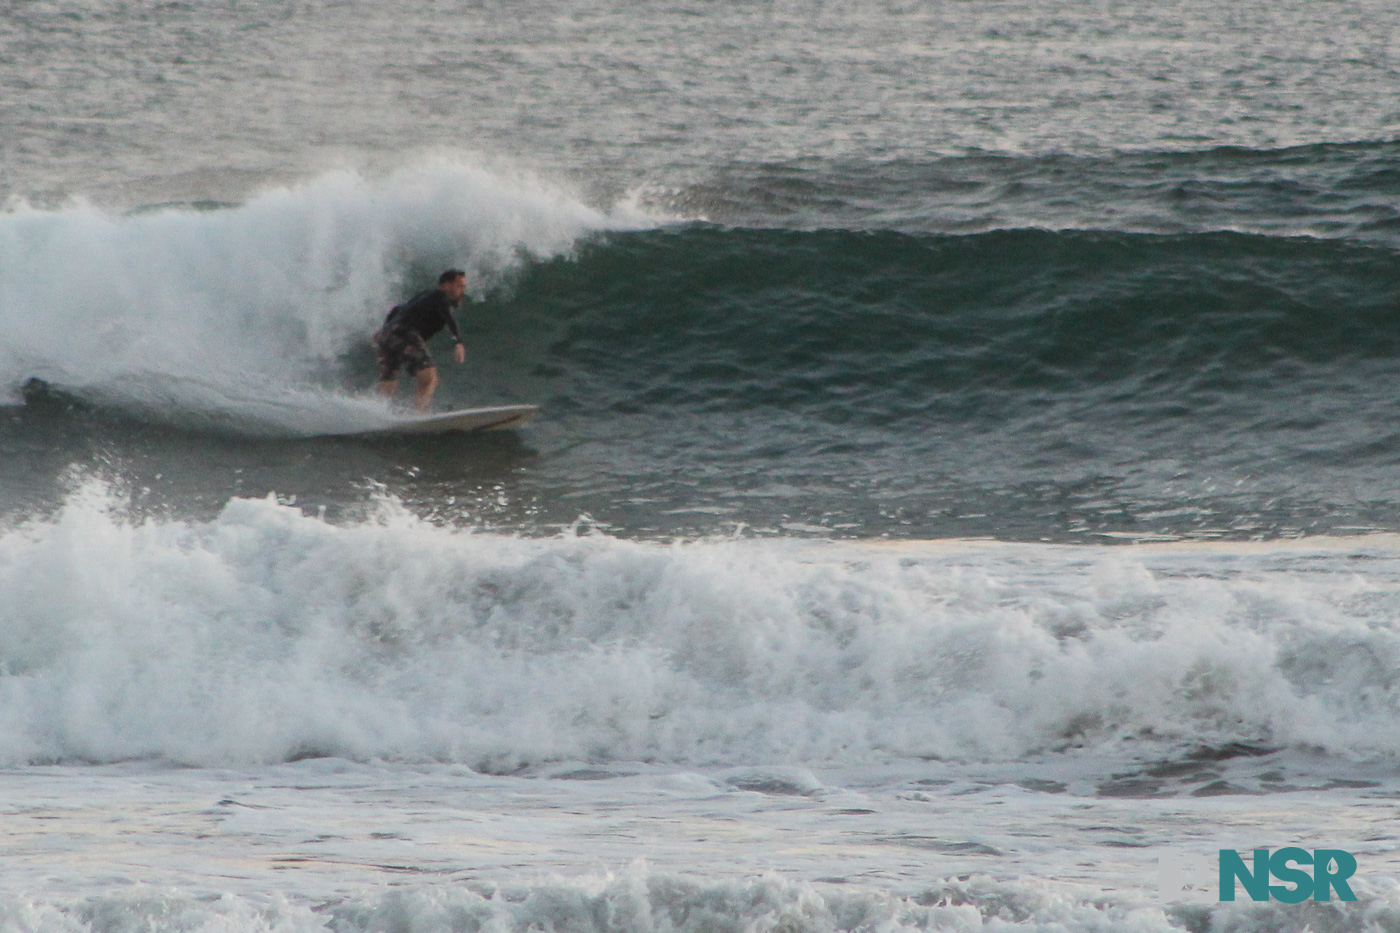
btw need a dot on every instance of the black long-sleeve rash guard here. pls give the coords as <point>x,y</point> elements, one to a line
<point>425,313</point>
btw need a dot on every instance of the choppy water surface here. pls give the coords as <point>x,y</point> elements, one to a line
<point>966,467</point>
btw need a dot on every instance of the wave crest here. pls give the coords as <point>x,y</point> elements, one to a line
<point>241,313</point>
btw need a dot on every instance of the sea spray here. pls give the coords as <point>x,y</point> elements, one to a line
<point>238,316</point>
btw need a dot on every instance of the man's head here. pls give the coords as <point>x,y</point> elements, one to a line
<point>453,283</point>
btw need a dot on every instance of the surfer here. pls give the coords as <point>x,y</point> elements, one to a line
<point>403,340</point>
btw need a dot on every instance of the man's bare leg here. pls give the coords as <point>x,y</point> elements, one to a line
<point>427,385</point>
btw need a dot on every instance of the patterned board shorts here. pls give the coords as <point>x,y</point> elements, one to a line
<point>395,348</point>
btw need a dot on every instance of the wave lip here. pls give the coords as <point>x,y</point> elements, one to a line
<point>240,315</point>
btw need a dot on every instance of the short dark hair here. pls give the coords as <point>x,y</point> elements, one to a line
<point>451,275</point>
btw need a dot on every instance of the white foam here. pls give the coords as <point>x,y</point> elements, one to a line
<point>240,315</point>
<point>267,634</point>
<point>644,902</point>
<point>634,901</point>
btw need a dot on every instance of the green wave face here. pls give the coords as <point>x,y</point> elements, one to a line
<point>1015,383</point>
<point>1065,347</point>
<point>1025,384</point>
<point>975,331</point>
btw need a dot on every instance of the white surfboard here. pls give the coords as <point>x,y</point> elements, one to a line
<point>468,419</point>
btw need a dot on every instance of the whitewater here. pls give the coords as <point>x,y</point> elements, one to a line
<point>584,730</point>
<point>267,635</point>
<point>236,318</point>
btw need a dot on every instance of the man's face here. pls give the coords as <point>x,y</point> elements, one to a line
<point>455,289</point>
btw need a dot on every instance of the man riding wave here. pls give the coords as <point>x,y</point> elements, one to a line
<point>402,341</point>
